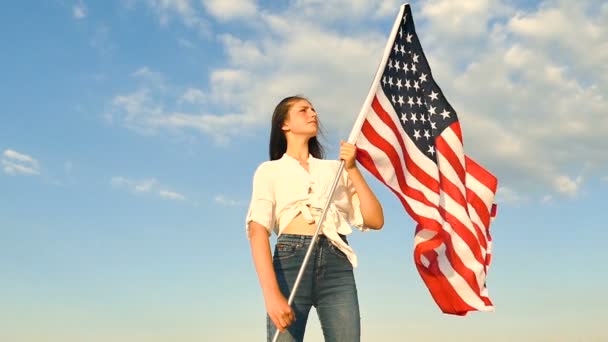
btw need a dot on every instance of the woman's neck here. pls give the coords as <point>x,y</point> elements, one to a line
<point>298,150</point>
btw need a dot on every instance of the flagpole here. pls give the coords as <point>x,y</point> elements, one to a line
<point>351,140</point>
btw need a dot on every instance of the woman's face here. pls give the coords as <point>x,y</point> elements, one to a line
<point>301,119</point>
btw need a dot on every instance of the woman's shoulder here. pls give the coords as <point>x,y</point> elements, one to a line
<point>267,166</point>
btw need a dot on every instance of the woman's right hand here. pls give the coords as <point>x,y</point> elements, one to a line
<point>279,311</point>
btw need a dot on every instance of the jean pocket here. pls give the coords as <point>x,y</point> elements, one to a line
<point>337,252</point>
<point>286,249</point>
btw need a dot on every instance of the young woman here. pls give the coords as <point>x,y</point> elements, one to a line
<point>289,192</point>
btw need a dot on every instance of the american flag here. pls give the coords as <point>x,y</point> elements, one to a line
<point>412,142</point>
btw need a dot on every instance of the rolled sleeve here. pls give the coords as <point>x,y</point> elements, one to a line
<point>354,216</point>
<point>261,207</point>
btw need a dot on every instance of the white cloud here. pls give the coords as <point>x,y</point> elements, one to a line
<point>225,10</point>
<point>185,43</point>
<point>604,179</point>
<point>146,186</point>
<point>461,19</point>
<point>225,201</point>
<point>16,163</point>
<point>101,40</point>
<point>528,84</point>
<point>510,196</point>
<point>171,195</point>
<point>546,199</point>
<point>79,10</point>
<point>193,95</point>
<point>186,11</point>
<point>568,186</point>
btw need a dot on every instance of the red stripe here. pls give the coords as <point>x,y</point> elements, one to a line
<point>481,174</point>
<point>367,162</point>
<point>374,138</point>
<point>442,291</point>
<point>411,166</point>
<point>444,294</point>
<point>442,146</point>
<point>379,142</point>
<point>479,206</point>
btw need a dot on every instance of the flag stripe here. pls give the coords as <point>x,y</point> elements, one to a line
<point>411,140</point>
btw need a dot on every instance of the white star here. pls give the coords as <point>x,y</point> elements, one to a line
<point>390,64</point>
<point>431,150</point>
<point>402,50</point>
<point>416,86</point>
<point>404,17</point>
<point>399,85</point>
<point>422,77</point>
<point>396,49</point>
<point>397,66</point>
<point>390,81</point>
<point>400,33</point>
<point>422,118</point>
<point>432,110</point>
<point>414,118</point>
<point>433,125</point>
<point>410,101</point>
<point>401,102</point>
<point>405,68</point>
<point>393,99</point>
<point>445,114</point>
<point>403,117</point>
<point>417,134</point>
<point>433,95</point>
<point>384,81</point>
<point>408,37</point>
<point>413,67</point>
<point>418,101</point>
<point>415,58</point>
<point>426,134</point>
<point>407,84</point>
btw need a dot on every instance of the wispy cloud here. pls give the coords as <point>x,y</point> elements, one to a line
<point>185,43</point>
<point>101,41</point>
<point>225,10</point>
<point>192,95</point>
<point>79,10</point>
<point>510,196</point>
<point>16,163</point>
<point>225,201</point>
<point>146,186</point>
<point>516,77</point>
<point>186,11</point>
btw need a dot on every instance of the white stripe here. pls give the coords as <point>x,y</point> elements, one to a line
<point>458,283</point>
<point>480,189</point>
<point>477,220</point>
<point>386,133</point>
<point>387,172</point>
<point>460,246</point>
<point>421,159</point>
<point>448,172</point>
<point>455,144</point>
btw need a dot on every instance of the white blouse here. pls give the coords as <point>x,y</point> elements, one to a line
<point>283,188</point>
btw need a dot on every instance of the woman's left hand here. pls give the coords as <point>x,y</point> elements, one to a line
<point>348,153</point>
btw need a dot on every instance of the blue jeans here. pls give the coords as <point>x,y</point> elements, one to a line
<point>328,284</point>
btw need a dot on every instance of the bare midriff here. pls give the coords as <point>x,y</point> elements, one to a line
<point>300,226</point>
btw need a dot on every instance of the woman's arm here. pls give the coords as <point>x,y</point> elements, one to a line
<point>371,210</point>
<point>277,307</point>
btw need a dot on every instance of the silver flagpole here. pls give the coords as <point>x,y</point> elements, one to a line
<point>351,140</point>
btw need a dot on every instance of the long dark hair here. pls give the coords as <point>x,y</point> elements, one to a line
<point>278,142</point>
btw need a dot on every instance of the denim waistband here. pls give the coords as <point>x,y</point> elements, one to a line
<point>304,238</point>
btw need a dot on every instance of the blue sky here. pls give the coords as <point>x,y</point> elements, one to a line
<point>129,132</point>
